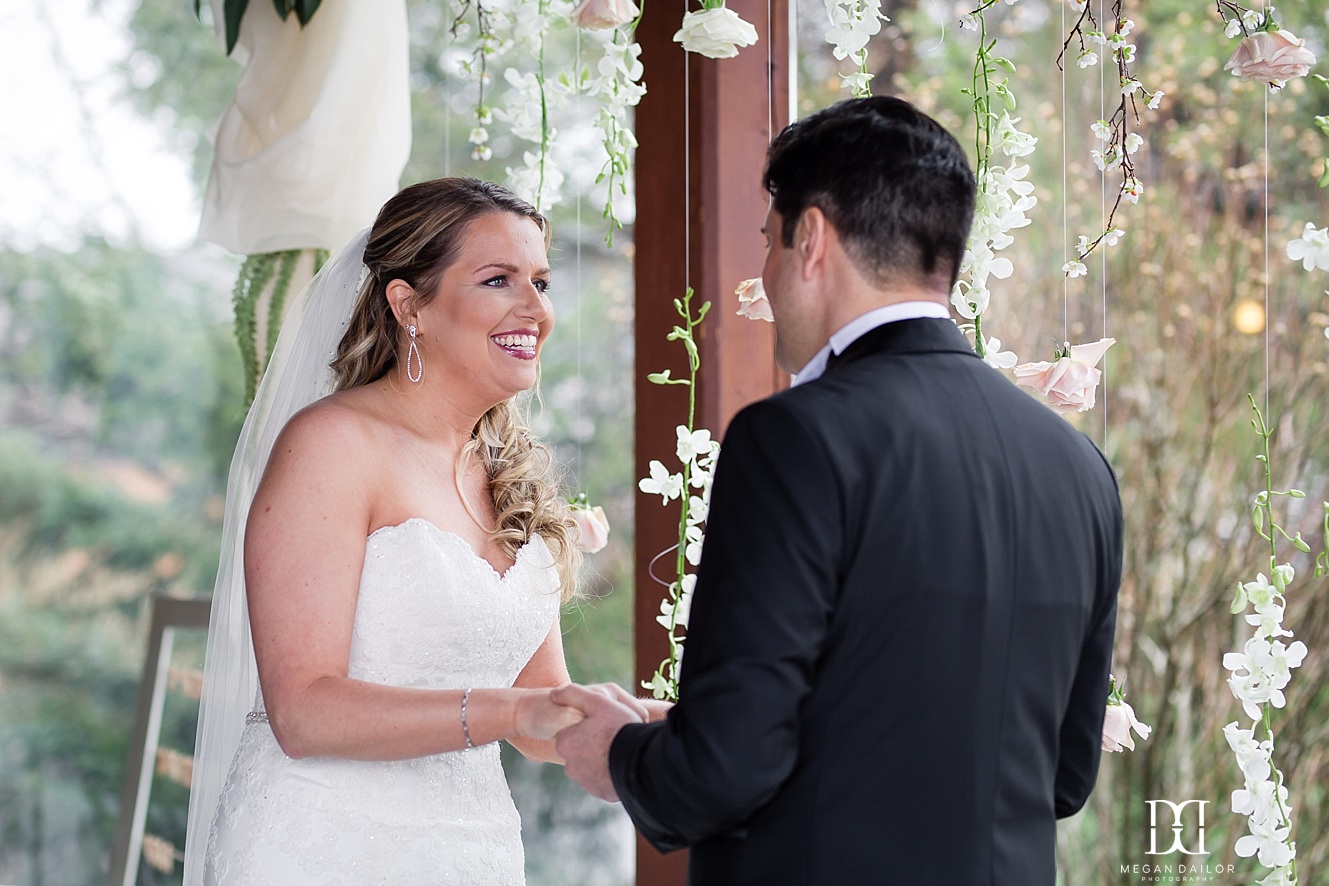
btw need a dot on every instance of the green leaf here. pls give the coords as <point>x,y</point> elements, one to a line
<point>305,9</point>
<point>232,12</point>
<point>1324,176</point>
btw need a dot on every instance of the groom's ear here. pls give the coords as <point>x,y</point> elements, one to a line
<point>811,237</point>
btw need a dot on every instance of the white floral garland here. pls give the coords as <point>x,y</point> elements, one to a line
<point>1004,195</point>
<point>852,24</point>
<point>697,454</point>
<point>1260,672</point>
<point>616,82</point>
<point>1119,142</point>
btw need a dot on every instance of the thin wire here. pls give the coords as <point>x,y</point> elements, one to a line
<point>770,74</point>
<point>1268,417</point>
<point>581,379</point>
<point>447,121</point>
<point>687,166</point>
<point>1065,203</point>
<point>1102,213</point>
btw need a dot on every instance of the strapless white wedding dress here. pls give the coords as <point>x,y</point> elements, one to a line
<point>431,614</point>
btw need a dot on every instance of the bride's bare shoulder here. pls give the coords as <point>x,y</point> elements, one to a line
<point>340,430</point>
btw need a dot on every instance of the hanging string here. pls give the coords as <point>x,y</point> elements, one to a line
<point>1103,214</point>
<point>1268,417</point>
<point>770,74</point>
<point>447,120</point>
<point>1065,203</point>
<point>687,165</point>
<point>577,297</point>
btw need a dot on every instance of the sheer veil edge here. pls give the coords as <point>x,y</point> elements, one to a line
<point>298,374</point>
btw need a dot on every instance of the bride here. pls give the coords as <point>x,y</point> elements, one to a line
<point>403,560</point>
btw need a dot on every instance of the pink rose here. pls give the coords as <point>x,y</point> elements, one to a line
<point>601,15</point>
<point>1272,56</point>
<point>1069,382</point>
<point>592,528</point>
<point>1117,725</point>
<point>752,302</point>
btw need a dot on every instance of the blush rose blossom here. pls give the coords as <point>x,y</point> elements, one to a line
<point>592,528</point>
<point>1271,56</point>
<point>1069,383</point>
<point>1117,725</point>
<point>752,301</point>
<point>602,15</point>
<point>715,32</point>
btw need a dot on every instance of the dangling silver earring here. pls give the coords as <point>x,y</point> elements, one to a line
<point>419,362</point>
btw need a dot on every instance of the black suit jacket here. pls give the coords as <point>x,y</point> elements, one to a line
<point>896,664</point>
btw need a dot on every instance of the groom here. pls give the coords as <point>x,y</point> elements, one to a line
<point>898,648</point>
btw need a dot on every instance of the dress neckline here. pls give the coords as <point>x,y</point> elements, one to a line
<point>460,541</point>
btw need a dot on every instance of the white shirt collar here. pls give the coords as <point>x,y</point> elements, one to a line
<point>858,327</point>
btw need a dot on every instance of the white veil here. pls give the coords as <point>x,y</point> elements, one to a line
<point>297,375</point>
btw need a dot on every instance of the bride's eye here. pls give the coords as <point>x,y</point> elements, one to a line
<point>496,282</point>
<point>541,285</point>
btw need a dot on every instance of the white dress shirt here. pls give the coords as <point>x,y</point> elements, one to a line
<point>858,327</point>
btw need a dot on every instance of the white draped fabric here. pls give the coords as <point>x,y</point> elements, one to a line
<point>319,131</point>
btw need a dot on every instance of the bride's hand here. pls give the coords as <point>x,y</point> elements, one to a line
<point>538,716</point>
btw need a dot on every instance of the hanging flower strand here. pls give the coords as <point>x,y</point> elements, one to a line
<point>616,84</point>
<point>1004,196</point>
<point>1119,142</point>
<point>527,105</point>
<point>697,453</point>
<point>1260,673</point>
<point>852,24</point>
<point>487,45</point>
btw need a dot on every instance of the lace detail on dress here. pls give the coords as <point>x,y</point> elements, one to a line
<point>431,613</point>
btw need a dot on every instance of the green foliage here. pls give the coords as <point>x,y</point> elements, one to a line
<point>251,287</point>
<point>234,10</point>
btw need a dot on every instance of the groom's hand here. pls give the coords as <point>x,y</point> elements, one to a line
<point>584,747</point>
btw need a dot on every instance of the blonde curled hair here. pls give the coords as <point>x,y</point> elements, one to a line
<point>416,237</point>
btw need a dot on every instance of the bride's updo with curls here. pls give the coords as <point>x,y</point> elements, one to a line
<point>418,234</point>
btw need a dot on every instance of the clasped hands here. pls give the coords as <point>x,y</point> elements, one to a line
<point>583,720</point>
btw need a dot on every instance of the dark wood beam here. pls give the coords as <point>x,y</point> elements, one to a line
<point>703,127</point>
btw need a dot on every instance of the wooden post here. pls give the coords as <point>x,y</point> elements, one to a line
<point>703,127</point>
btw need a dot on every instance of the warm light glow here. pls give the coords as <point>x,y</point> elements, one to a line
<point>1248,318</point>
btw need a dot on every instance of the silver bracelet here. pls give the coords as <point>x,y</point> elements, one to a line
<point>465,730</point>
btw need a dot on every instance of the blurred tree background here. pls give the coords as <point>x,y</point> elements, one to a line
<point>120,397</point>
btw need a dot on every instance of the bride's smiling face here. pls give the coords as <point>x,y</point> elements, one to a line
<point>489,318</point>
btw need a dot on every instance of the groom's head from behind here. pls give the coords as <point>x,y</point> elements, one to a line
<point>871,202</point>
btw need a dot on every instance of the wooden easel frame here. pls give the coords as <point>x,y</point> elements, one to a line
<point>168,614</point>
